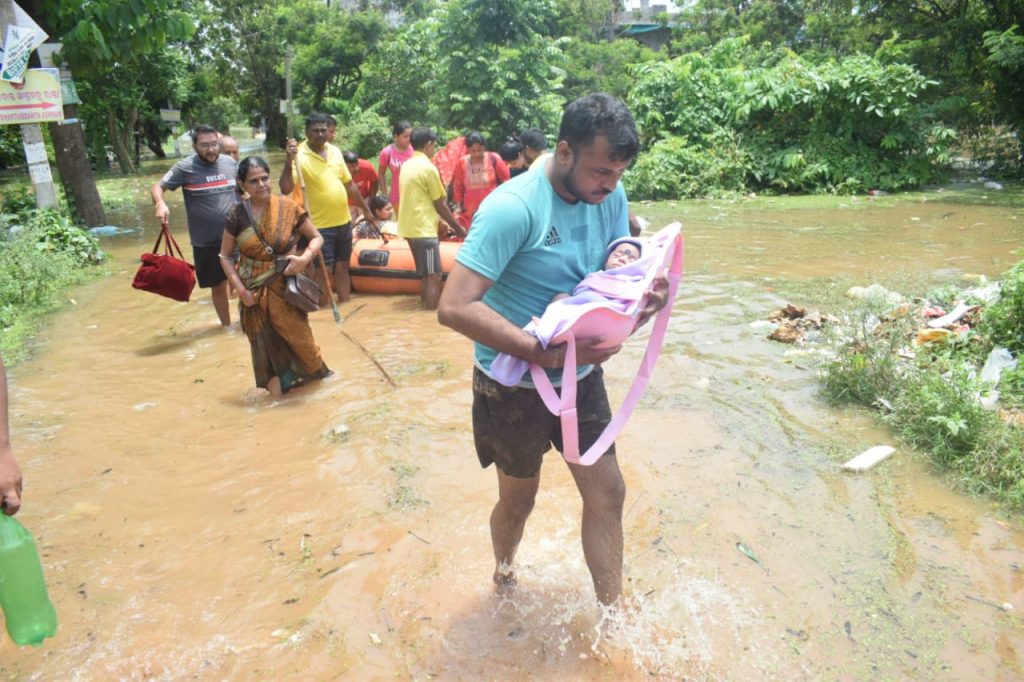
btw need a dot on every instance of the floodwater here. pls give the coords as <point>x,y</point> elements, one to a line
<point>191,528</point>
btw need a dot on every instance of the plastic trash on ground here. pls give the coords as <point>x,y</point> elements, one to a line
<point>959,311</point>
<point>877,292</point>
<point>998,361</point>
<point>869,458</point>
<point>111,231</point>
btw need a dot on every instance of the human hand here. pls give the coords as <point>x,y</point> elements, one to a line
<point>10,482</point>
<point>587,352</point>
<point>163,213</point>
<point>291,149</point>
<point>296,264</point>
<point>458,229</point>
<point>657,297</point>
<point>247,298</point>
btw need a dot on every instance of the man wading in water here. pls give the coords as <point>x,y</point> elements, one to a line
<point>328,188</point>
<point>536,236</point>
<point>207,179</point>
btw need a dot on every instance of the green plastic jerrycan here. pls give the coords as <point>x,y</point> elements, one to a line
<point>27,609</point>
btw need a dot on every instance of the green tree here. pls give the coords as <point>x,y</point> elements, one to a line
<point>399,76</point>
<point>502,70</point>
<point>792,123</point>
<point>952,42</point>
<point>585,20</point>
<point>603,66</point>
<point>330,56</point>
<point>115,47</point>
<point>1006,66</point>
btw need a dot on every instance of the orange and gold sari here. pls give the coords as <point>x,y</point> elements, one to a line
<point>279,333</point>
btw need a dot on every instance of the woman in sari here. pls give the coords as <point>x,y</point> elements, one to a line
<point>266,229</point>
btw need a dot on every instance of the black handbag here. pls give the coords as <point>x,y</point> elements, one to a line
<point>299,291</point>
<point>302,292</point>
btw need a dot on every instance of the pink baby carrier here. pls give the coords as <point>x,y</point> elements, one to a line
<point>607,304</point>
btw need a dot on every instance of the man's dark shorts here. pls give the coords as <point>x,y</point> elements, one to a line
<point>337,244</point>
<point>513,429</point>
<point>209,273</point>
<point>426,254</point>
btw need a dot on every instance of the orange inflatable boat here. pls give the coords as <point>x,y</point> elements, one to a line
<point>386,267</point>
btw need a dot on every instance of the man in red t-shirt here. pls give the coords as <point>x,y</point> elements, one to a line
<point>364,175</point>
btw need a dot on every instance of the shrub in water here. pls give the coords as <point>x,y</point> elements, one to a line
<point>41,252</point>
<point>1003,321</point>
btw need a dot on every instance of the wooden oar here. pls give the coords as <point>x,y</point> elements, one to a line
<point>323,264</point>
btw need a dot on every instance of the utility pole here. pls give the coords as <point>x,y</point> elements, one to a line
<point>74,167</point>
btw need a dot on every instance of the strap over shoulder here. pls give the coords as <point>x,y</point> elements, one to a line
<point>668,243</point>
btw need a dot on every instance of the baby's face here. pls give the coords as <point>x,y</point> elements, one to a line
<point>624,254</point>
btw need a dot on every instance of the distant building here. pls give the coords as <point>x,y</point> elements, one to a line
<point>393,16</point>
<point>648,23</point>
<point>644,6</point>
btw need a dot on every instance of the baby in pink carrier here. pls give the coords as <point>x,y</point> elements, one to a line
<point>617,287</point>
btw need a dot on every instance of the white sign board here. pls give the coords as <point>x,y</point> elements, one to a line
<point>170,115</point>
<point>36,101</point>
<point>17,49</point>
<point>35,152</point>
<point>46,53</point>
<point>40,173</point>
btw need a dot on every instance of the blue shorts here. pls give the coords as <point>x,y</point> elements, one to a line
<point>337,244</point>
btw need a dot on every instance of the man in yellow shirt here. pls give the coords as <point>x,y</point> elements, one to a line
<point>423,201</point>
<point>327,185</point>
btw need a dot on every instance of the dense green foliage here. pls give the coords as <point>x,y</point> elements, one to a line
<point>769,119</point>
<point>125,68</point>
<point>1003,322</point>
<point>763,95</point>
<point>41,254</point>
<point>499,69</point>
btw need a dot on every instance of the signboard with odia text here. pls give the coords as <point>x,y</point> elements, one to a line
<point>37,100</point>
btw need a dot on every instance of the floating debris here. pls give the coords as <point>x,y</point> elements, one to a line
<point>749,553</point>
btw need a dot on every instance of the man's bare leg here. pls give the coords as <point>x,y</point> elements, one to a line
<point>430,291</point>
<point>219,296</point>
<point>515,502</point>
<point>342,282</point>
<point>603,492</point>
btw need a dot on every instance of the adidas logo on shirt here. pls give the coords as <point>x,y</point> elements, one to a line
<point>552,237</point>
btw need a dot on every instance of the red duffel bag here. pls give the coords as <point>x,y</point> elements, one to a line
<point>164,273</point>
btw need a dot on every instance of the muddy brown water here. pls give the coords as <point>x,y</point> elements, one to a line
<point>191,528</point>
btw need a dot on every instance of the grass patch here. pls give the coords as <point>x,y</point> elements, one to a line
<point>403,496</point>
<point>41,254</point>
<point>930,394</point>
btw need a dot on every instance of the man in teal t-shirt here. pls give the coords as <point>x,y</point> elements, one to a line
<point>536,236</point>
